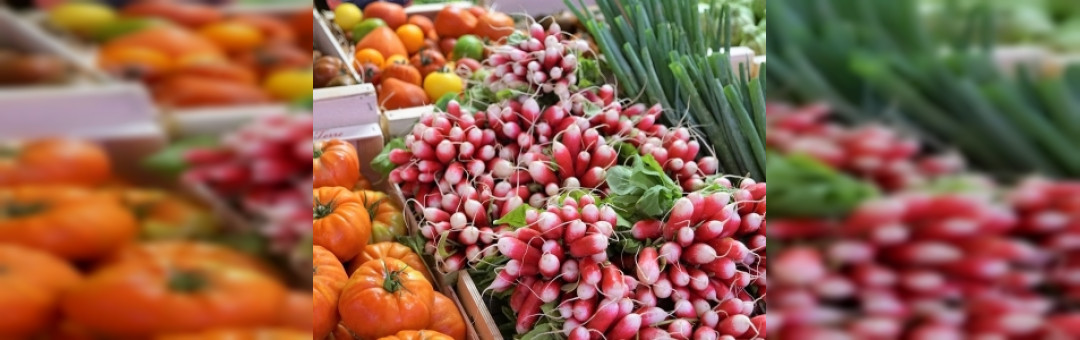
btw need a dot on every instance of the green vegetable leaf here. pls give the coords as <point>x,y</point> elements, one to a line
<point>618,179</point>
<point>382,162</point>
<point>589,73</point>
<point>649,204</point>
<point>626,151</point>
<point>515,218</point>
<point>171,161</point>
<point>516,38</point>
<point>444,243</point>
<point>445,100</point>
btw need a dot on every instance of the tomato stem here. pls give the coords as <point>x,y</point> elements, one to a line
<point>317,153</point>
<point>187,281</point>
<point>392,283</point>
<point>321,210</point>
<point>16,210</point>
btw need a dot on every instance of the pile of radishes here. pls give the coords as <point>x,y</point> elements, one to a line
<point>873,152</point>
<point>541,61</point>
<point>981,263</point>
<point>526,183</point>
<point>263,170</point>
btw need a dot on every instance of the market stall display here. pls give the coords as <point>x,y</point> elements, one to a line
<point>565,210</point>
<point>88,254</point>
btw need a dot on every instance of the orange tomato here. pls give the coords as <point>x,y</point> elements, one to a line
<point>124,60</point>
<point>425,24</point>
<point>233,36</point>
<point>412,36</point>
<point>395,59</point>
<point>369,55</point>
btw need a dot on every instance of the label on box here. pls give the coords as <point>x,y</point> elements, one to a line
<point>343,106</point>
<point>77,110</point>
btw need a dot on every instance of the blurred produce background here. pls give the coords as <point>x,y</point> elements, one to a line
<point>153,169</point>
<point>927,172</point>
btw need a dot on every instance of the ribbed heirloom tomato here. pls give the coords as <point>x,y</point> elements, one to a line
<point>233,334</point>
<point>389,250</point>
<point>418,335</point>
<point>30,283</point>
<point>335,164</point>
<point>446,318</point>
<point>55,161</point>
<point>387,220</point>
<point>340,221</point>
<point>72,223</point>
<point>298,312</point>
<point>328,278</point>
<point>190,251</point>
<point>139,299</point>
<point>384,297</point>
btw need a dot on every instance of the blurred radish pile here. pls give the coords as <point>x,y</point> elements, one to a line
<point>936,258</point>
<point>578,214</point>
<point>262,170</point>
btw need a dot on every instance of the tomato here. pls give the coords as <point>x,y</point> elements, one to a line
<point>453,22</point>
<point>340,221</point>
<point>55,161</point>
<point>428,61</point>
<point>189,251</point>
<point>30,283</point>
<point>446,318</point>
<point>468,46</point>
<point>369,55</point>
<point>397,94</point>
<point>384,297</point>
<point>236,334</point>
<point>412,36</point>
<point>438,84</point>
<point>425,24</point>
<point>418,335</point>
<point>401,70</point>
<point>142,298</point>
<point>233,36</point>
<point>395,59</point>
<point>298,313</point>
<point>328,278</point>
<point>369,72</point>
<point>290,85</point>
<point>335,164</point>
<point>134,62</point>
<point>389,250</point>
<point>71,223</point>
<point>387,221</point>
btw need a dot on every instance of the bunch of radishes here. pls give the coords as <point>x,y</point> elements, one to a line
<point>872,152</point>
<point>924,267</point>
<point>263,170</point>
<point>542,61</point>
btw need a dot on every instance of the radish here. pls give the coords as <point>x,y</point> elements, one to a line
<point>678,275</point>
<point>706,333</point>
<point>663,288</point>
<point>530,236</point>
<point>680,329</point>
<point>518,250</point>
<point>699,254</point>
<point>654,333</point>
<point>685,237</point>
<point>586,291</point>
<point>503,281</point>
<point>529,312</point>
<point>680,216</point>
<point>541,173</point>
<point>564,160</point>
<point>575,231</point>
<point>645,297</point>
<point>612,283</point>
<point>710,319</point>
<point>684,309</point>
<point>570,271</point>
<point>671,252</point>
<point>549,266</point>
<point>436,215</point>
<point>735,325</point>
<point>604,317</point>
<point>588,245</point>
<point>626,328</point>
<point>647,229</point>
<point>590,272</point>
<point>549,291</point>
<point>648,269</point>
<point>699,281</point>
<point>593,177</point>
